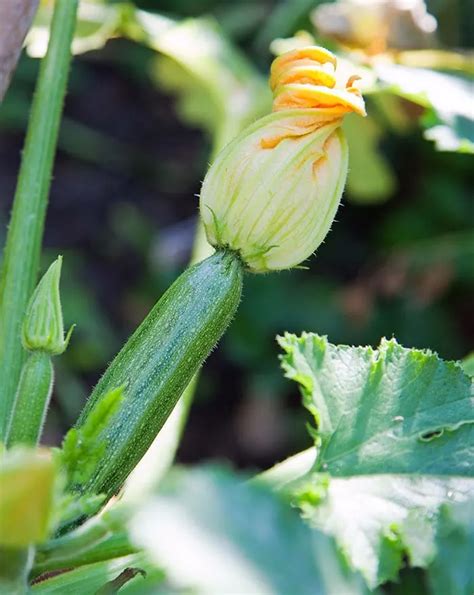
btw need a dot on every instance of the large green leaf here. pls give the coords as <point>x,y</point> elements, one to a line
<point>379,519</point>
<point>393,437</point>
<point>385,410</point>
<point>216,534</point>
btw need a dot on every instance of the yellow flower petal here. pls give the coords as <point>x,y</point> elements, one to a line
<point>306,78</point>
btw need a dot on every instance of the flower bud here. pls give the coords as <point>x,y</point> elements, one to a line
<point>43,328</point>
<point>272,194</point>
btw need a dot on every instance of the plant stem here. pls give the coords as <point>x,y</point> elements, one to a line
<point>32,400</point>
<point>23,245</point>
<point>91,578</point>
<point>102,537</point>
<point>110,547</point>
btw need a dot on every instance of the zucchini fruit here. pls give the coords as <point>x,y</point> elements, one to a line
<point>157,363</point>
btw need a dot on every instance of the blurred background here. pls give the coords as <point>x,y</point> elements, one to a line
<point>157,87</point>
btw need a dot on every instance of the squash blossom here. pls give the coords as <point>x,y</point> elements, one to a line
<point>272,194</point>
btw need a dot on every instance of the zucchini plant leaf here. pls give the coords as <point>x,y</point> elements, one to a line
<point>394,444</point>
<point>452,570</point>
<point>235,537</point>
<point>377,520</point>
<point>385,410</point>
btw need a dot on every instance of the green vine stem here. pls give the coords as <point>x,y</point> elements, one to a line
<point>67,555</point>
<point>100,538</point>
<point>32,400</point>
<point>23,245</point>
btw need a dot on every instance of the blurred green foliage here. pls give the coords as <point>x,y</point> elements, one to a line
<point>143,117</point>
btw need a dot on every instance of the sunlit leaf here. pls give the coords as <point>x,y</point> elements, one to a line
<point>385,410</point>
<point>393,430</point>
<point>213,533</point>
<point>378,519</point>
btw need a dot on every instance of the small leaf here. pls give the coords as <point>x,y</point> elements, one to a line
<point>84,447</point>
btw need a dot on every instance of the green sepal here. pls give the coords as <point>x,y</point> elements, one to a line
<point>43,327</point>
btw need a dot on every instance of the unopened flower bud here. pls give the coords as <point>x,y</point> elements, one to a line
<point>43,328</point>
<point>272,194</point>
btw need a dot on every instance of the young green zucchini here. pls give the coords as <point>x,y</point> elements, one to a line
<point>159,360</point>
